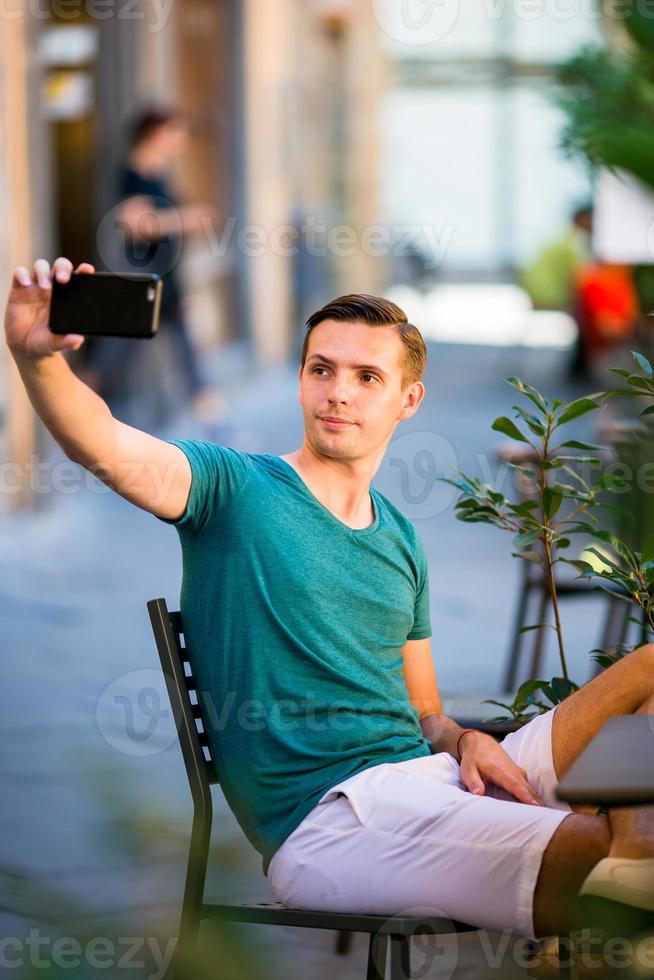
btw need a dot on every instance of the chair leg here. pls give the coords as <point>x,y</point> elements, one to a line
<point>566,957</point>
<point>625,627</point>
<point>193,893</point>
<point>608,638</point>
<point>539,638</point>
<point>400,958</point>
<point>644,632</point>
<point>343,942</point>
<point>377,952</point>
<point>516,644</point>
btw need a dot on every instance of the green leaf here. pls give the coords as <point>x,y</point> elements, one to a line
<point>648,411</point>
<point>611,482</point>
<point>537,626</point>
<point>643,363</point>
<point>522,540</point>
<point>528,688</point>
<point>582,528</point>
<point>474,518</point>
<point>584,567</point>
<point>530,392</point>
<point>552,500</point>
<point>575,444</point>
<point>534,424</point>
<point>603,557</point>
<point>580,459</point>
<point>532,556</point>
<point>625,394</point>
<point>575,476</point>
<point>523,508</point>
<point>620,372</point>
<point>508,428</point>
<point>618,545</point>
<point>648,551</point>
<point>613,593</point>
<point>562,688</point>
<point>576,409</point>
<point>639,25</point>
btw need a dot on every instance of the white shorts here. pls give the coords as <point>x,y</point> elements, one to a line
<point>408,837</point>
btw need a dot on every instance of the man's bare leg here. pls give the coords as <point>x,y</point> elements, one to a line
<point>576,846</point>
<point>626,687</point>
<point>580,842</point>
<point>621,689</point>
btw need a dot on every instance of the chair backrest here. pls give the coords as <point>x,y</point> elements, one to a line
<point>184,698</point>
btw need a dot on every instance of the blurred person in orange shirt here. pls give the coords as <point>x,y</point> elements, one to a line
<point>608,307</point>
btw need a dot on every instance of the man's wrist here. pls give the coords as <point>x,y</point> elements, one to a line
<point>31,361</point>
<point>443,734</point>
<point>459,742</point>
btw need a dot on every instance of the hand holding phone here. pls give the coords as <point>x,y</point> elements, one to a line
<point>27,314</point>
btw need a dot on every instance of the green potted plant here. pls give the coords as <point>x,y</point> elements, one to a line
<point>560,501</point>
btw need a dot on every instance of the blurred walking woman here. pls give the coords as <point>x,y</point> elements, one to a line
<point>152,224</point>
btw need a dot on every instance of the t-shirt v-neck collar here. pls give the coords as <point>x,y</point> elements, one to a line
<point>355,531</point>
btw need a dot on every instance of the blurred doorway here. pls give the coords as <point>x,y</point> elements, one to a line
<point>68,54</point>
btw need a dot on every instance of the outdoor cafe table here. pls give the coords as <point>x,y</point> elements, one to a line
<point>617,766</point>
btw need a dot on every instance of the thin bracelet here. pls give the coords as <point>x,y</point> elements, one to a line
<point>458,741</point>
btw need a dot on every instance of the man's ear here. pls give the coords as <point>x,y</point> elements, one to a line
<point>412,399</point>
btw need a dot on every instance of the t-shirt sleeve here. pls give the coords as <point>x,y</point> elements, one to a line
<point>421,621</point>
<point>218,474</point>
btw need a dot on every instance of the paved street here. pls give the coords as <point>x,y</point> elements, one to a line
<point>92,836</point>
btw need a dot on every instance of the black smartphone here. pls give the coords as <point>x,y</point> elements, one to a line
<point>107,304</point>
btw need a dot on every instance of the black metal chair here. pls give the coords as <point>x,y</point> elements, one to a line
<point>384,932</point>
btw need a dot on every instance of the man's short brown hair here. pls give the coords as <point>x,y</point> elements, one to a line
<point>376,312</point>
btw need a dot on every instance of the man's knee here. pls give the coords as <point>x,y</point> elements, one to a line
<point>639,662</point>
<point>644,674</point>
<point>645,653</point>
<point>647,707</point>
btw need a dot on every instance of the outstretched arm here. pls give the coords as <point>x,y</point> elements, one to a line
<point>147,471</point>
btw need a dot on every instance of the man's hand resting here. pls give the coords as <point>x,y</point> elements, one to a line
<point>484,761</point>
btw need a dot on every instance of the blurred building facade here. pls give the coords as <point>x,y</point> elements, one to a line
<point>283,100</point>
<point>470,115</point>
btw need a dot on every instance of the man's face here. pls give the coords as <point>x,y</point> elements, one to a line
<point>353,372</point>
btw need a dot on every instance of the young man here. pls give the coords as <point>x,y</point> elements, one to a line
<point>305,603</point>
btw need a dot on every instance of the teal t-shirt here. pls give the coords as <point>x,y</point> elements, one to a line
<point>295,624</point>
